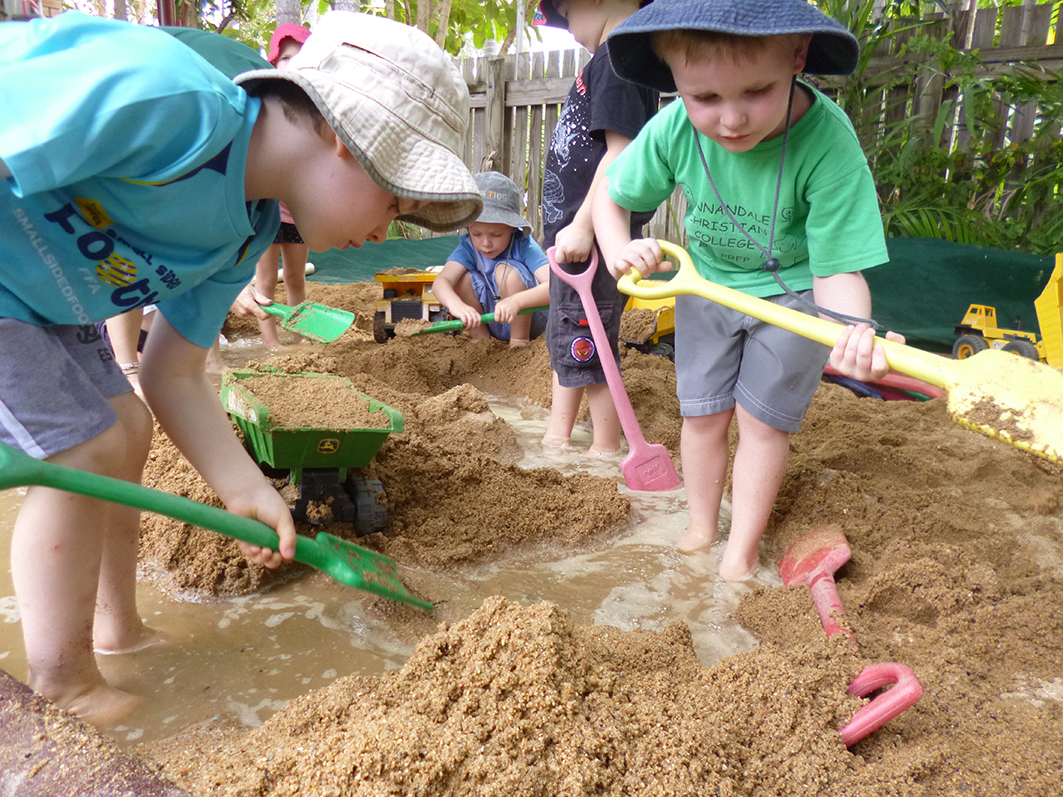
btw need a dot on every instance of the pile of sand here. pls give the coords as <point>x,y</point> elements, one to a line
<point>956,571</point>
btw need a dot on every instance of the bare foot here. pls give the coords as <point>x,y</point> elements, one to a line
<point>556,442</point>
<point>516,343</point>
<point>695,539</point>
<point>103,705</point>
<point>142,640</point>
<point>734,567</point>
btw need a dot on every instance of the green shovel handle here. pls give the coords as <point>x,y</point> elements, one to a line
<point>453,326</point>
<point>278,310</point>
<point>18,469</point>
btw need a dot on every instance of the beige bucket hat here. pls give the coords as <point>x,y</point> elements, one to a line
<point>394,98</point>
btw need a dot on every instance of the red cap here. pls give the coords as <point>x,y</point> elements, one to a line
<point>289,30</point>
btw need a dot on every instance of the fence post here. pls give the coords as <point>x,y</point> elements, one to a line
<point>494,158</point>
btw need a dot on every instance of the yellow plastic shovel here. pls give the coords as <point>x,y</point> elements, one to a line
<point>1011,398</point>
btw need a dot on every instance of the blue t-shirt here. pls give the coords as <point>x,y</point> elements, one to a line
<point>523,254</point>
<point>127,153</point>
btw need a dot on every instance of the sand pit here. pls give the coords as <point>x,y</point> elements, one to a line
<point>957,572</point>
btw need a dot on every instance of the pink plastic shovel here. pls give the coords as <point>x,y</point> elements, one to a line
<point>813,560</point>
<point>647,467</point>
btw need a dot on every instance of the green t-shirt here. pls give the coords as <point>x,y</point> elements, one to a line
<point>828,218</point>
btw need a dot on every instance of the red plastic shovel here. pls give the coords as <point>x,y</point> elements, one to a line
<point>813,560</point>
<point>647,467</point>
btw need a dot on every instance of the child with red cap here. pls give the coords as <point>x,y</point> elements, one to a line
<point>287,247</point>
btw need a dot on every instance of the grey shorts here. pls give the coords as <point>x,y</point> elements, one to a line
<point>55,386</point>
<point>573,351</point>
<point>723,357</point>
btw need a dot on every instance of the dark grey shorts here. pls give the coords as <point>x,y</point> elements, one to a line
<point>573,350</point>
<point>55,386</point>
<point>723,357</point>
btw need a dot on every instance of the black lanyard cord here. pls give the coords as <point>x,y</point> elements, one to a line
<point>772,264</point>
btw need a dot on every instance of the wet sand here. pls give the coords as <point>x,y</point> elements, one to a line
<point>957,558</point>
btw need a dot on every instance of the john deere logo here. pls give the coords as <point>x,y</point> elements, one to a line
<point>329,446</point>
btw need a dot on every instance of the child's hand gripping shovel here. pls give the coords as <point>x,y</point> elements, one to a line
<point>813,560</point>
<point>457,324</point>
<point>315,321</point>
<point>647,467</point>
<point>347,563</point>
<point>1011,398</point>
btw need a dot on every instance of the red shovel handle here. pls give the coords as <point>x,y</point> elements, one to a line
<point>905,692</point>
<point>828,604</point>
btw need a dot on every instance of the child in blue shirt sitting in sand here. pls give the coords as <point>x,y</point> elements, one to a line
<point>497,268</point>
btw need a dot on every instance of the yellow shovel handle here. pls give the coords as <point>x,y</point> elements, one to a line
<point>687,281</point>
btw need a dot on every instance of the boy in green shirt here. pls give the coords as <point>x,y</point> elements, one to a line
<point>781,205</point>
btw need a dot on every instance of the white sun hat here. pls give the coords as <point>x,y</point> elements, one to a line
<point>398,104</point>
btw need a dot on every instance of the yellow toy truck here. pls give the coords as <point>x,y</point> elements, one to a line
<point>407,293</point>
<point>978,330</point>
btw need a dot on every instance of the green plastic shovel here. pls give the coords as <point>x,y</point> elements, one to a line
<point>315,321</point>
<point>454,326</point>
<point>347,563</point>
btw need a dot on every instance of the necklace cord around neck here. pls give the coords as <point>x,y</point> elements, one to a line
<point>772,264</point>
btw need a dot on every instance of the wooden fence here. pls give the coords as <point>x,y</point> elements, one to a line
<point>516,100</point>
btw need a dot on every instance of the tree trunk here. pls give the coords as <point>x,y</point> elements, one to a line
<point>444,23</point>
<point>289,11</point>
<point>424,8</point>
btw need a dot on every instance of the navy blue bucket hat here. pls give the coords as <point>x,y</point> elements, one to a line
<point>546,14</point>
<point>833,50</point>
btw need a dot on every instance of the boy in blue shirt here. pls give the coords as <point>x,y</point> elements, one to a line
<point>497,268</point>
<point>133,172</point>
<point>781,206</point>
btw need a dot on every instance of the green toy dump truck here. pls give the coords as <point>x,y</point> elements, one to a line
<point>319,461</point>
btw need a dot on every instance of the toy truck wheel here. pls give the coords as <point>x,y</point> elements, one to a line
<point>968,346</point>
<point>1023,348</point>
<point>380,330</point>
<point>370,515</point>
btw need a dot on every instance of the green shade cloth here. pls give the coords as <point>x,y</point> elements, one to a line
<point>926,288</point>
<point>923,292</point>
<point>340,266</point>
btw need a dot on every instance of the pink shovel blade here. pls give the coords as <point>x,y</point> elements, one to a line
<point>904,692</point>
<point>823,550</point>
<point>649,465</point>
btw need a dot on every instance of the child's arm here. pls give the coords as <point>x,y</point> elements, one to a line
<point>573,243</point>
<point>178,391</point>
<point>443,289</point>
<point>539,296</point>
<point>856,354</point>
<point>613,225</point>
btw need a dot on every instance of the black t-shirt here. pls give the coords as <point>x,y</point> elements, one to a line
<point>598,101</point>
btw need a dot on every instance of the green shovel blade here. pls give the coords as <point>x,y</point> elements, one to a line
<point>346,562</point>
<point>311,320</point>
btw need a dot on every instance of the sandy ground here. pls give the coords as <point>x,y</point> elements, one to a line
<point>956,571</point>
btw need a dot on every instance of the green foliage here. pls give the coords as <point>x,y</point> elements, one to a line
<point>972,186</point>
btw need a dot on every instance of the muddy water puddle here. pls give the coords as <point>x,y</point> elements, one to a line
<point>247,657</point>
